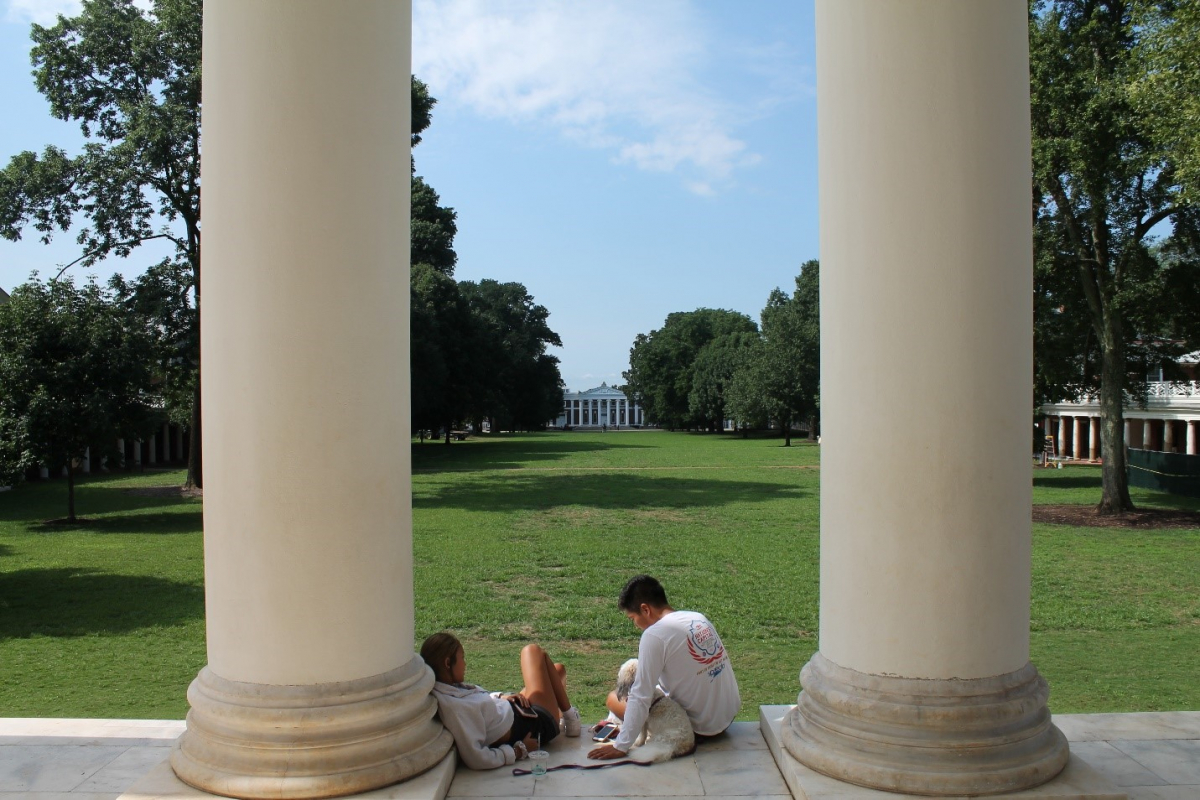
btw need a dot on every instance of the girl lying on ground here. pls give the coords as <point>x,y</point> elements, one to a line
<point>492,730</point>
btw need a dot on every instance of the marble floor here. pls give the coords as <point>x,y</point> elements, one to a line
<point>1149,756</point>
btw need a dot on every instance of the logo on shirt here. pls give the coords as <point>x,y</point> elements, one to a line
<point>703,643</point>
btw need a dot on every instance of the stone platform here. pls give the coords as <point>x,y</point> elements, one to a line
<point>1146,756</point>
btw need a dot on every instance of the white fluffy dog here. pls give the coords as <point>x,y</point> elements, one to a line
<point>668,733</point>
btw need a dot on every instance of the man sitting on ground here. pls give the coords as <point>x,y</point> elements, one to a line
<point>681,652</point>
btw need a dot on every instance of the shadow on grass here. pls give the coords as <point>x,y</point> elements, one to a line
<point>609,490</point>
<point>500,453</point>
<point>68,601</point>
<point>1067,482</point>
<point>173,523</point>
<point>93,495</point>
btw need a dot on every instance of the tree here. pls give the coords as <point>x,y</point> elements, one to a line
<point>780,378</point>
<point>745,402</point>
<point>1166,84</point>
<point>131,78</point>
<point>74,374</point>
<point>661,363</point>
<point>521,386</point>
<point>447,377</point>
<point>712,372</point>
<point>1102,186</point>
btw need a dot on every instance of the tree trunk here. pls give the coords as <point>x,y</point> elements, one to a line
<point>1114,497</point>
<point>70,490</point>
<point>195,465</point>
<point>787,432</point>
<point>812,428</point>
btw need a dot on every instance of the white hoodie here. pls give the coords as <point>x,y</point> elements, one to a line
<point>476,719</point>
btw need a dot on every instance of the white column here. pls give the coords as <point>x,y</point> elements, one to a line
<point>1191,437</point>
<point>1168,444</point>
<point>923,682</point>
<point>137,453</point>
<point>151,450</point>
<point>44,472</point>
<point>85,463</point>
<point>1061,445</point>
<point>121,453</point>
<point>1128,443</point>
<point>1077,438</point>
<point>312,687</point>
<point>1094,439</point>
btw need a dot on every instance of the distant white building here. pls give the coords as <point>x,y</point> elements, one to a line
<point>599,407</point>
<point>1168,420</point>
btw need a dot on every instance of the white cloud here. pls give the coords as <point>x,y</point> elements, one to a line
<point>43,12</point>
<point>46,12</point>
<point>623,76</point>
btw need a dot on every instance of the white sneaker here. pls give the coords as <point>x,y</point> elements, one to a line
<point>570,721</point>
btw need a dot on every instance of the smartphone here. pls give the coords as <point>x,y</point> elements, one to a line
<point>606,733</point>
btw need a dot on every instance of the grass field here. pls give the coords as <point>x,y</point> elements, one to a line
<point>520,538</point>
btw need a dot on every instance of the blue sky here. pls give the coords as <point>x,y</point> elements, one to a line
<point>621,159</point>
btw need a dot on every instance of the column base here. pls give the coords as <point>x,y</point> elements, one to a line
<point>253,741</point>
<point>925,736</point>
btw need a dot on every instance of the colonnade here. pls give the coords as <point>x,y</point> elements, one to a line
<point>586,411</point>
<point>169,446</point>
<point>923,682</point>
<point>1077,436</point>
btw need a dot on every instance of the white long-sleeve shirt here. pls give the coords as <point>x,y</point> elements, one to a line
<point>683,654</point>
<point>475,719</point>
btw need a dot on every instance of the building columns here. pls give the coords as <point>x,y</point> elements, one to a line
<point>1168,442</point>
<point>1094,439</point>
<point>1061,444</point>
<point>1077,438</point>
<point>1191,437</point>
<point>923,682</point>
<point>312,687</point>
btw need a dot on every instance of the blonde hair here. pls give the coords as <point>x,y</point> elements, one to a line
<point>439,650</point>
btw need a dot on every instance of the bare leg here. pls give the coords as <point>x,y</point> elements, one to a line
<point>545,681</point>
<point>615,704</point>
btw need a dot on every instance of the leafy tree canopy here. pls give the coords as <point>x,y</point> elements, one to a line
<point>661,363</point>
<point>131,79</point>
<point>74,374</point>
<point>1104,181</point>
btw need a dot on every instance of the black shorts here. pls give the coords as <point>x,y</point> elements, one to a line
<point>522,726</point>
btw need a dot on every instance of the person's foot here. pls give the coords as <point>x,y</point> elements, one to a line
<point>570,721</point>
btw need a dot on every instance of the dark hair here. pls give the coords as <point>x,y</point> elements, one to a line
<point>642,589</point>
<point>438,649</point>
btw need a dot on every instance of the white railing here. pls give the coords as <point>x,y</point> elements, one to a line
<point>1173,389</point>
<point>1154,389</point>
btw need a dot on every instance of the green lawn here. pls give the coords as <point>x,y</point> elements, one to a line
<point>521,538</point>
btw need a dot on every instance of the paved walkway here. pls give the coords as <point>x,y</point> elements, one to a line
<point>1150,756</point>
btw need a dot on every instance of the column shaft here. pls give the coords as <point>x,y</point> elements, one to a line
<point>1168,443</point>
<point>1094,439</point>
<point>312,688</point>
<point>1061,444</point>
<point>923,682</point>
<point>1191,437</point>
<point>1077,438</point>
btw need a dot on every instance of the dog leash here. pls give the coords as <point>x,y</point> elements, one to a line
<point>605,765</point>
